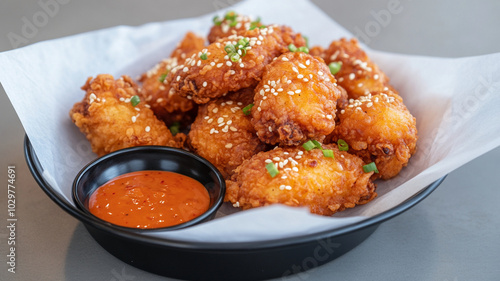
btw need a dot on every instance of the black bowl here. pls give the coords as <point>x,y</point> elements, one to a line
<point>224,261</point>
<point>161,158</point>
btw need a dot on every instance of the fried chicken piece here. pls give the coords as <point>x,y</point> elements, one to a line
<point>165,103</point>
<point>357,74</point>
<point>379,128</point>
<point>110,122</point>
<point>231,63</point>
<point>306,178</point>
<point>231,24</point>
<point>223,134</point>
<point>295,101</point>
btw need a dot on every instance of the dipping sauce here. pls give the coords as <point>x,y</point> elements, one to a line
<point>149,199</point>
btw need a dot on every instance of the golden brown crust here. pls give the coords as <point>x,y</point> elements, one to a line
<point>379,128</point>
<point>358,74</point>
<point>222,134</point>
<point>306,178</point>
<point>203,79</point>
<point>168,106</point>
<point>110,122</point>
<point>295,101</point>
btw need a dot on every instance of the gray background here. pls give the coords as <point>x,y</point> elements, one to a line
<point>452,235</point>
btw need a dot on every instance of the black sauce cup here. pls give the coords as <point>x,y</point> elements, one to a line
<point>144,158</point>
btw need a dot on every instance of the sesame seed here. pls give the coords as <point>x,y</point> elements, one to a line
<point>268,161</point>
<point>242,65</point>
<point>341,79</point>
<point>300,152</point>
<point>288,187</point>
<point>369,104</point>
<point>295,169</point>
<point>297,91</point>
<point>295,69</point>
<point>284,177</point>
<point>376,76</point>
<point>300,76</point>
<point>320,73</point>
<point>148,128</point>
<point>220,120</point>
<point>236,205</point>
<point>233,129</point>
<point>284,59</point>
<point>228,63</point>
<point>305,80</point>
<point>219,65</point>
<point>212,63</point>
<point>215,110</point>
<point>282,187</point>
<point>270,129</point>
<point>329,117</point>
<point>276,159</point>
<point>352,76</point>
<point>205,84</point>
<point>134,118</point>
<point>291,93</point>
<point>308,62</point>
<point>185,69</point>
<point>178,78</point>
<point>301,65</point>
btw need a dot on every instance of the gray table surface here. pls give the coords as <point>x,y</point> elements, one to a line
<point>452,235</point>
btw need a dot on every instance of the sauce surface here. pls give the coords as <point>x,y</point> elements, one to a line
<point>149,199</point>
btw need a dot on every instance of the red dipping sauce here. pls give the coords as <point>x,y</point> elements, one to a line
<point>149,199</point>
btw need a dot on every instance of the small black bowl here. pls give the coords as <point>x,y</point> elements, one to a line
<point>143,158</point>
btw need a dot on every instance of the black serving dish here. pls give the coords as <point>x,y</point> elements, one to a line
<point>142,158</point>
<point>224,261</point>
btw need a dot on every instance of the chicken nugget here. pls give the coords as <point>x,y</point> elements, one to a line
<point>304,178</point>
<point>112,117</point>
<point>165,103</point>
<point>232,23</point>
<point>379,128</point>
<point>231,63</point>
<point>223,134</point>
<point>358,74</point>
<point>295,101</point>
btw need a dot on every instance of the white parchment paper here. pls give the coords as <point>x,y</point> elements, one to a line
<point>455,102</point>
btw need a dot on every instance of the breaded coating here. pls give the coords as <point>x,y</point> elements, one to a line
<point>231,24</point>
<point>165,103</point>
<point>223,134</point>
<point>379,128</point>
<point>306,178</point>
<point>231,63</point>
<point>358,74</point>
<point>110,122</point>
<point>295,101</point>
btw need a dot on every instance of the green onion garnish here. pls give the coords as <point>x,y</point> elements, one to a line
<point>231,15</point>
<point>216,20</point>
<point>135,100</point>
<point>317,144</point>
<point>230,48</point>
<point>204,56</point>
<point>175,128</point>
<point>343,146</point>
<point>307,41</point>
<point>334,67</point>
<point>292,48</point>
<point>303,49</point>
<point>370,168</point>
<point>328,153</point>
<point>162,77</point>
<point>247,109</point>
<point>254,24</point>
<point>271,169</point>
<point>308,145</point>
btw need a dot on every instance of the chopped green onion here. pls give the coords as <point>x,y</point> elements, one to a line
<point>233,23</point>
<point>292,48</point>
<point>231,15</point>
<point>246,109</point>
<point>204,56</point>
<point>162,77</point>
<point>230,48</point>
<point>308,145</point>
<point>343,146</point>
<point>235,57</point>
<point>216,20</point>
<point>254,24</point>
<point>334,67</point>
<point>303,49</point>
<point>316,144</point>
<point>370,168</point>
<point>135,100</point>
<point>328,153</point>
<point>271,169</point>
<point>175,128</point>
